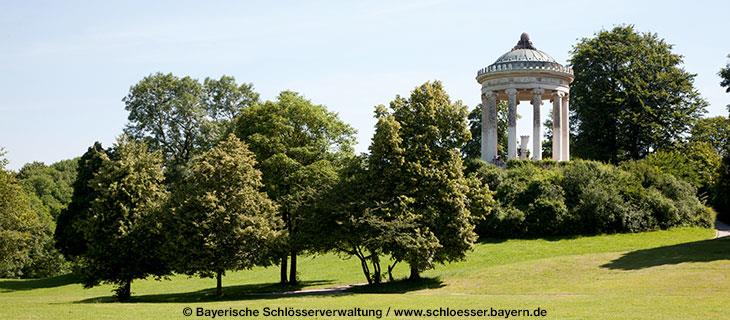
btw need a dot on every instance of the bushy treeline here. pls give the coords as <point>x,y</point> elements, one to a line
<point>545,198</point>
<point>32,200</point>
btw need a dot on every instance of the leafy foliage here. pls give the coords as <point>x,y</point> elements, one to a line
<point>20,227</point>
<point>182,117</point>
<point>299,147</point>
<point>715,131</point>
<point>70,224</point>
<point>123,232</point>
<point>49,190</point>
<point>725,76</point>
<point>420,181</point>
<point>587,197</point>
<point>631,96</point>
<point>696,163</point>
<point>222,219</point>
<point>52,185</point>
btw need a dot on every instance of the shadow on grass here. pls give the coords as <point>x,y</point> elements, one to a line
<point>399,286</point>
<point>30,284</point>
<point>241,292</point>
<point>699,251</point>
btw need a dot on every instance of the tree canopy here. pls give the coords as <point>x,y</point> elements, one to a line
<point>420,183</point>
<point>631,95</point>
<point>70,223</point>
<point>182,117</point>
<point>123,233</point>
<point>222,218</point>
<point>18,226</point>
<point>298,145</point>
<point>725,76</point>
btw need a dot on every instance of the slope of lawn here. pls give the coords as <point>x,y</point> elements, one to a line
<point>680,274</point>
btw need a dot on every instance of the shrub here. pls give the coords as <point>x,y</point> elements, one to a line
<point>587,197</point>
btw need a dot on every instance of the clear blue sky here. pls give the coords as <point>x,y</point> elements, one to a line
<point>65,66</point>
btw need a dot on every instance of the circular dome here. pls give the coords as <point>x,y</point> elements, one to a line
<point>524,56</point>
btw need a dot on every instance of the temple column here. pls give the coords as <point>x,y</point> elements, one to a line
<point>536,124</point>
<point>512,124</point>
<point>557,126</point>
<point>489,126</point>
<point>565,133</point>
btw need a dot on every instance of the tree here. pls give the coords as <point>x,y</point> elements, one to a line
<point>71,221</point>
<point>346,222</point>
<point>123,233</point>
<point>222,218</point>
<point>298,146</point>
<point>631,95</point>
<point>19,225</point>
<point>49,191</point>
<point>696,163</point>
<point>415,155</point>
<point>52,185</point>
<point>722,138</point>
<point>182,117</point>
<point>715,131</point>
<point>725,76</point>
<point>472,148</point>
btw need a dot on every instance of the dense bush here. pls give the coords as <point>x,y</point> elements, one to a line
<point>586,197</point>
<point>696,163</point>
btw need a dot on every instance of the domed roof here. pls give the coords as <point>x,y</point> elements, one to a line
<point>524,51</point>
<point>524,56</point>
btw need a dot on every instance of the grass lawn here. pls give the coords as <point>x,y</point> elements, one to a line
<point>676,274</point>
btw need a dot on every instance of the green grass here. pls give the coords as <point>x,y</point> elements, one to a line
<point>676,274</point>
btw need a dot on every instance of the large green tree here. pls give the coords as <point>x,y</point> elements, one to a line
<point>222,219</point>
<point>20,227</point>
<point>631,95</point>
<point>69,234</point>
<point>182,117</point>
<point>298,146</point>
<point>415,155</point>
<point>123,233</point>
<point>49,189</point>
<point>52,185</point>
<point>715,131</point>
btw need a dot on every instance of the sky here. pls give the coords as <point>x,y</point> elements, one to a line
<point>66,65</point>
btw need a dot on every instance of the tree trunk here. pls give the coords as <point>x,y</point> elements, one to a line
<point>414,274</point>
<point>282,275</point>
<point>376,268</point>
<point>366,270</point>
<point>293,273</point>
<point>219,283</point>
<point>390,271</point>
<point>124,292</point>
